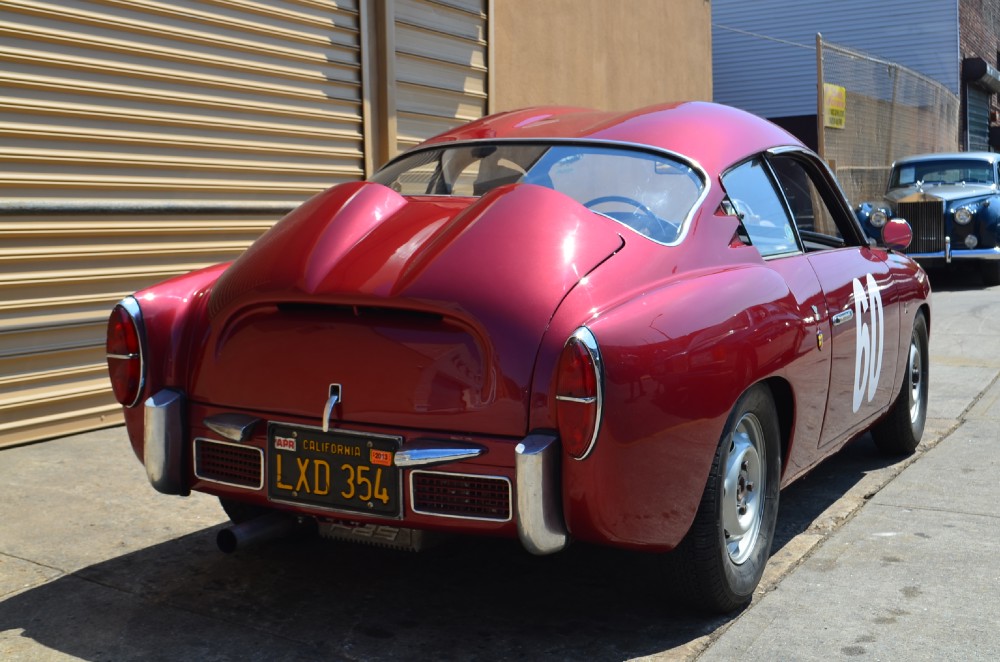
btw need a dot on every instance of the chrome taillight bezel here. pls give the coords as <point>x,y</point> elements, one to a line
<point>131,308</point>
<point>585,338</point>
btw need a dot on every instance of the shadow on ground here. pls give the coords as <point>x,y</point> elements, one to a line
<point>307,599</point>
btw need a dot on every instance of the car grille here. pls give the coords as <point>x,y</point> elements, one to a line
<point>927,221</point>
<point>460,495</point>
<point>229,464</point>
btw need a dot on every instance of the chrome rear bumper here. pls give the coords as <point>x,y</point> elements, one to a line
<point>537,507</point>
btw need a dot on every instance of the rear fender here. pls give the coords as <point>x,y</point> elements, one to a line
<point>676,359</point>
<point>170,311</point>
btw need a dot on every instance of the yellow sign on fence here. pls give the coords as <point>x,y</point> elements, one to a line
<point>834,106</point>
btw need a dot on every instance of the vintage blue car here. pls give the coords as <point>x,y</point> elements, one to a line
<point>952,202</point>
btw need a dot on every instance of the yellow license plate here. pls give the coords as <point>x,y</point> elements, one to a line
<point>336,470</point>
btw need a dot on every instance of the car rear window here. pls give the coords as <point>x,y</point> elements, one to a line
<point>651,193</point>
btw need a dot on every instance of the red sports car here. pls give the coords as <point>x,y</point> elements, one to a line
<point>553,324</point>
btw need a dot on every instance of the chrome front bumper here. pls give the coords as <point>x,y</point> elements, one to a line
<point>537,508</point>
<point>949,254</point>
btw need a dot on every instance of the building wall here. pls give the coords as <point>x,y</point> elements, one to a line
<point>764,57</point>
<point>606,55</point>
<point>979,24</point>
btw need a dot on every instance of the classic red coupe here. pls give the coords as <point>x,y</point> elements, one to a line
<point>553,324</point>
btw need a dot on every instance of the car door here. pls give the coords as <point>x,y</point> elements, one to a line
<point>754,196</point>
<point>862,313</point>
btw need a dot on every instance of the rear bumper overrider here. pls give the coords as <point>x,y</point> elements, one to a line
<point>537,507</point>
<point>163,442</point>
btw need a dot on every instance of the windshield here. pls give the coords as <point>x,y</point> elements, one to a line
<point>650,193</point>
<point>943,171</point>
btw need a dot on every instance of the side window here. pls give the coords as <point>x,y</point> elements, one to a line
<point>759,206</point>
<point>810,211</point>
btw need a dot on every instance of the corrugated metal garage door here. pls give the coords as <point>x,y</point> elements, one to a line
<point>441,66</point>
<point>140,140</point>
<point>977,118</point>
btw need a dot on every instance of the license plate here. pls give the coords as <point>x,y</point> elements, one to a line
<point>338,470</point>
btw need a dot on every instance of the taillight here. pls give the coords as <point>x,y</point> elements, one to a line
<point>124,347</point>
<point>579,393</point>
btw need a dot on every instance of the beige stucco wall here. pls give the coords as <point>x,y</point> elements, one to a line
<point>614,55</point>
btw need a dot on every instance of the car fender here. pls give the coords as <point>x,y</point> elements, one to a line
<point>676,360</point>
<point>169,319</point>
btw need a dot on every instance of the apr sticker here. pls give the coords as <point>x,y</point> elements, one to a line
<point>284,443</point>
<point>871,335</point>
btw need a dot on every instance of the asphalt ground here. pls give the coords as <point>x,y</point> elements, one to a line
<point>874,559</point>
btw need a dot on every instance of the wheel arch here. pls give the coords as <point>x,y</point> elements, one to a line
<point>784,405</point>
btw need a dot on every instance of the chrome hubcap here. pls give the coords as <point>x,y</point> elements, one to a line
<point>744,485</point>
<point>916,383</point>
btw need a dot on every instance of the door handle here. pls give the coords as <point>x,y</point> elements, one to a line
<point>845,316</point>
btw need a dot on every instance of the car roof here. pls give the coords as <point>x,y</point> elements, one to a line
<point>712,135</point>
<point>992,157</point>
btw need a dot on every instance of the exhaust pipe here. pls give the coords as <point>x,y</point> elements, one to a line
<point>257,530</point>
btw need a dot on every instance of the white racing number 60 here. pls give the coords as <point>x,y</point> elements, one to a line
<point>871,336</point>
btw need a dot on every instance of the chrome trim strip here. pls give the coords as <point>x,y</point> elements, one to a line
<point>429,452</point>
<point>232,426</point>
<point>163,442</point>
<point>843,317</point>
<point>569,398</point>
<point>540,523</point>
<point>131,306</point>
<point>259,486</point>
<point>123,356</point>
<point>510,504</point>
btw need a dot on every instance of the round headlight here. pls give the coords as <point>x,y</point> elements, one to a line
<point>878,218</point>
<point>963,216</point>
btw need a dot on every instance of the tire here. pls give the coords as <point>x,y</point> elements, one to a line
<point>721,559</point>
<point>900,431</point>
<point>240,512</point>
<point>990,270</point>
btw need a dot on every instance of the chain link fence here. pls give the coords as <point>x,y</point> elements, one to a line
<point>889,112</point>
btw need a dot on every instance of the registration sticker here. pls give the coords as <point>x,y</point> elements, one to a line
<point>284,443</point>
<point>382,458</point>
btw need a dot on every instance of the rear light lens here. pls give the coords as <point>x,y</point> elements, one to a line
<point>124,347</point>
<point>579,393</point>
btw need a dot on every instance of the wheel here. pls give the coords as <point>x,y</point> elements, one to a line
<point>900,431</point>
<point>240,512</point>
<point>722,558</point>
<point>991,272</point>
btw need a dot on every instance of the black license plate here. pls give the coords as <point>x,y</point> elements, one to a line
<point>336,469</point>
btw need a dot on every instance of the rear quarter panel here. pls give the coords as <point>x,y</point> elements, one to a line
<point>170,311</point>
<point>677,357</point>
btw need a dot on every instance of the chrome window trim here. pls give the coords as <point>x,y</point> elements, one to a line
<point>619,144</point>
<point>263,467</point>
<point>510,495</point>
